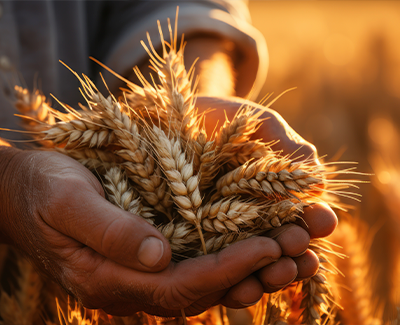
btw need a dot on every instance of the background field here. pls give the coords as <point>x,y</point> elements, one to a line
<point>344,57</point>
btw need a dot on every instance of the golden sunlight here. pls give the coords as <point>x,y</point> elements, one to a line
<point>75,317</point>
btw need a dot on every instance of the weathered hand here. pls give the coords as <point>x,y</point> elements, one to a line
<point>297,262</point>
<point>53,209</point>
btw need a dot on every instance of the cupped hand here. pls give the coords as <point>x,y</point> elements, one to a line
<point>297,261</point>
<point>53,209</point>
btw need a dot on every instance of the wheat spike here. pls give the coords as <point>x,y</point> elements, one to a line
<point>314,301</point>
<point>318,298</point>
<point>91,154</point>
<point>280,213</point>
<point>33,105</point>
<point>233,134</point>
<point>353,287</point>
<point>180,236</point>
<point>229,214</point>
<point>120,194</point>
<point>249,150</point>
<point>170,102</point>
<point>180,174</point>
<point>271,178</point>
<point>215,242</point>
<point>205,160</point>
<point>276,311</point>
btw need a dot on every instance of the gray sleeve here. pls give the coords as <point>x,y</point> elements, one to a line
<point>128,22</point>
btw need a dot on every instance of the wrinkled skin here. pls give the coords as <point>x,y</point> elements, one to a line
<point>54,210</point>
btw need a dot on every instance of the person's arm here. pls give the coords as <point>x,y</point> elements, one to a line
<point>215,65</point>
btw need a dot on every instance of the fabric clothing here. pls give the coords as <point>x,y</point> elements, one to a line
<point>35,35</point>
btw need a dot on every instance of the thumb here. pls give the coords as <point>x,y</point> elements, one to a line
<point>83,214</point>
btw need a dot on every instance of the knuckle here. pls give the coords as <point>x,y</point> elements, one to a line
<point>226,282</point>
<point>274,249</point>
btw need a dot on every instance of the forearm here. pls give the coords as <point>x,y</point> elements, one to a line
<point>215,66</point>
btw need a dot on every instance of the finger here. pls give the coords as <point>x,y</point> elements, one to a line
<point>307,265</point>
<point>278,275</point>
<point>319,220</point>
<point>78,211</point>
<point>244,294</point>
<point>182,284</point>
<point>293,239</point>
<point>223,270</point>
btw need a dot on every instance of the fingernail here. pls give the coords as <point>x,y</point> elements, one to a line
<point>150,252</point>
<point>277,286</point>
<point>301,253</point>
<point>263,262</point>
<point>248,304</point>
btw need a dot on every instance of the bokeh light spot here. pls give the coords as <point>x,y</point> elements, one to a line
<point>384,177</point>
<point>381,130</point>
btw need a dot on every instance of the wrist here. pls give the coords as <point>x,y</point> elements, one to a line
<point>215,65</point>
<point>7,157</point>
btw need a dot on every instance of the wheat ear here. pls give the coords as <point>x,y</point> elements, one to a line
<point>234,215</point>
<point>205,159</point>
<point>180,174</point>
<point>215,241</point>
<point>354,287</point>
<point>176,84</point>
<point>180,235</point>
<point>133,147</point>
<point>33,105</point>
<point>276,178</point>
<point>233,134</point>
<point>318,298</point>
<point>120,194</point>
<point>276,313</point>
<point>230,214</point>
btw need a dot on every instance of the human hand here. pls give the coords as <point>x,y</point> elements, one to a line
<point>53,209</point>
<point>297,262</point>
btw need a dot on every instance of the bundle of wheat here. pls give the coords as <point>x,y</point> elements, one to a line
<point>155,159</point>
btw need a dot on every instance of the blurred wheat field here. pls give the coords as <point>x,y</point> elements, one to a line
<point>344,57</point>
